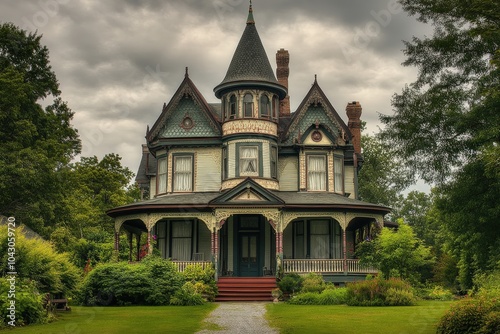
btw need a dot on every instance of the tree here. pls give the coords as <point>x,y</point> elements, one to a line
<point>397,253</point>
<point>383,176</point>
<point>37,143</point>
<point>414,210</point>
<point>447,124</point>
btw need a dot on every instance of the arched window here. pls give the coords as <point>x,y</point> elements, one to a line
<point>232,107</point>
<point>248,105</point>
<point>276,107</point>
<point>224,108</point>
<point>265,107</point>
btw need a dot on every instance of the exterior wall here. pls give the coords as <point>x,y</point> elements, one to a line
<point>349,181</point>
<point>288,173</point>
<point>152,187</point>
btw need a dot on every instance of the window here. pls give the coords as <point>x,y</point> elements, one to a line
<point>183,173</point>
<point>338,170</point>
<point>224,163</point>
<point>162,175</point>
<point>249,161</point>
<point>276,107</point>
<point>319,239</point>
<point>298,240</point>
<point>265,107</point>
<point>248,105</point>
<point>232,107</point>
<point>274,162</point>
<point>182,234</point>
<point>316,172</point>
<point>224,108</point>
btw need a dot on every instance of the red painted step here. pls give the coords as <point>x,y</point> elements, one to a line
<point>245,288</point>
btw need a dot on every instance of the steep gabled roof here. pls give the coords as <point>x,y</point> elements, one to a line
<point>315,102</point>
<point>250,66</point>
<point>186,89</point>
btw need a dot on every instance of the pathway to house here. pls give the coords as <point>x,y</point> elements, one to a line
<point>239,318</point>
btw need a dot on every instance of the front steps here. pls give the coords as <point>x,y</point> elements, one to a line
<point>245,289</point>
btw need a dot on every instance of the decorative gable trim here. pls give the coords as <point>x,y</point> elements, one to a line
<point>247,192</point>
<point>317,98</point>
<point>186,89</point>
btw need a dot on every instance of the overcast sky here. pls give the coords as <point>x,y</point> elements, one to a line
<point>118,61</point>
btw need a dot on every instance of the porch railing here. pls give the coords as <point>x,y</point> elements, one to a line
<point>325,266</point>
<point>181,265</point>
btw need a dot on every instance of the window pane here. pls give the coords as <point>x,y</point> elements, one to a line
<point>316,172</point>
<point>265,106</point>
<point>183,173</point>
<point>232,107</point>
<point>339,177</point>
<point>248,160</point>
<point>320,239</point>
<point>162,175</point>
<point>181,240</point>
<point>248,105</point>
<point>274,162</point>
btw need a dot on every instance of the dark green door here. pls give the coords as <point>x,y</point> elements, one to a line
<point>249,254</point>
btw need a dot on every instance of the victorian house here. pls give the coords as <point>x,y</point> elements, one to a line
<point>247,186</point>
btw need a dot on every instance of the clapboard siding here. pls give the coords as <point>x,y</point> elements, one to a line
<point>349,181</point>
<point>288,173</point>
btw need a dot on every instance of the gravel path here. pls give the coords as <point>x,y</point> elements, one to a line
<point>239,318</point>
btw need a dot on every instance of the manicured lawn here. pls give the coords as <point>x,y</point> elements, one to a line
<point>132,319</point>
<point>294,319</point>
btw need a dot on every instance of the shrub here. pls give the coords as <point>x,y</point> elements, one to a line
<point>290,283</point>
<point>29,307</point>
<point>380,292</point>
<point>37,260</point>
<point>469,316</point>
<point>437,293</point>
<point>335,296</point>
<point>153,281</point>
<point>202,279</point>
<point>305,298</point>
<point>313,283</point>
<point>187,296</point>
<point>491,324</point>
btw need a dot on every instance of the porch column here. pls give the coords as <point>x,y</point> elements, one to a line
<point>344,241</point>
<point>150,246</point>
<point>215,251</point>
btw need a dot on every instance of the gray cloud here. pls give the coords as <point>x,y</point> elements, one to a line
<point>119,61</point>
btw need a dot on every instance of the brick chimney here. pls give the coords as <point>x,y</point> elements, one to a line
<point>282,72</point>
<point>353,111</point>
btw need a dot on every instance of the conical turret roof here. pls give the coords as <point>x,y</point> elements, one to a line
<point>250,66</point>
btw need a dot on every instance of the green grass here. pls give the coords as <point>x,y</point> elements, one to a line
<point>294,319</point>
<point>131,319</point>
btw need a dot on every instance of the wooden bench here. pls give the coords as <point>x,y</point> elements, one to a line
<point>60,304</point>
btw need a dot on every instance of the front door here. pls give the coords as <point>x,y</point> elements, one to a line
<point>249,254</point>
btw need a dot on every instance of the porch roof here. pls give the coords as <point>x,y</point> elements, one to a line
<point>291,200</point>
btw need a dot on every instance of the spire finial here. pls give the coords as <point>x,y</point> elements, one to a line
<point>187,73</point>
<point>315,78</point>
<point>250,19</point>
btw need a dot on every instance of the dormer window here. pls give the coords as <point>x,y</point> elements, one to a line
<point>248,105</point>
<point>232,107</point>
<point>265,107</point>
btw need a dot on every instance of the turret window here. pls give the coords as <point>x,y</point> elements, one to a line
<point>248,105</point>
<point>265,107</point>
<point>232,107</point>
<point>276,107</point>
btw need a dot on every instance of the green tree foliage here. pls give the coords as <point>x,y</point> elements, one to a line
<point>447,124</point>
<point>38,261</point>
<point>383,176</point>
<point>397,253</point>
<point>414,209</point>
<point>37,142</point>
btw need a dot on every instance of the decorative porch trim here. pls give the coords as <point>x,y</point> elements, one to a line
<point>351,216</point>
<point>288,217</point>
<point>207,217</point>
<point>122,219</point>
<point>270,214</point>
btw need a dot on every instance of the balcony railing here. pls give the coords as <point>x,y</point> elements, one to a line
<point>181,265</point>
<point>326,266</point>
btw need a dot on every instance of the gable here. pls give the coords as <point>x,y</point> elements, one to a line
<point>187,115</point>
<point>248,192</point>
<point>316,111</point>
<point>187,119</point>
